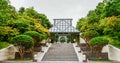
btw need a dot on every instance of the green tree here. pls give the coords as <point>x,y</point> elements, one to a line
<point>112,8</point>
<point>22,25</point>
<point>7,32</point>
<point>98,43</point>
<point>42,17</point>
<point>93,17</point>
<point>88,35</point>
<point>100,10</point>
<point>37,37</point>
<point>7,12</point>
<point>21,10</point>
<point>23,43</point>
<point>80,23</point>
<point>112,28</point>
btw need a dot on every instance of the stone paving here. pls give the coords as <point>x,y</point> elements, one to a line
<point>60,52</point>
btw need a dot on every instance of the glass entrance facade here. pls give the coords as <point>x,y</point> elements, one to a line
<point>63,28</point>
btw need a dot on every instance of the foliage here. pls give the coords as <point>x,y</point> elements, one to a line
<point>81,23</point>
<point>35,35</point>
<point>89,34</point>
<point>21,10</point>
<point>92,17</point>
<point>7,12</point>
<point>99,41</point>
<point>34,14</point>
<point>4,44</point>
<point>23,24</point>
<point>112,26</point>
<point>40,28</point>
<point>6,32</point>
<point>14,22</point>
<point>115,42</point>
<point>105,20</point>
<point>23,43</point>
<point>22,40</point>
<point>112,8</point>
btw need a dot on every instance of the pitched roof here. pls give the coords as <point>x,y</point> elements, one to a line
<point>63,26</point>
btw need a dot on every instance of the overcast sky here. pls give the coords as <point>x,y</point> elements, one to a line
<point>74,9</point>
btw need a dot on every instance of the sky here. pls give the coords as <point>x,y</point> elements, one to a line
<point>55,9</point>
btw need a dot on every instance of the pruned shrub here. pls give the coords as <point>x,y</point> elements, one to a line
<point>37,37</point>
<point>98,43</point>
<point>23,43</point>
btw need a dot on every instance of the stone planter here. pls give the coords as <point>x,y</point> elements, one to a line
<point>27,55</point>
<point>43,42</point>
<point>38,49</point>
<point>7,53</point>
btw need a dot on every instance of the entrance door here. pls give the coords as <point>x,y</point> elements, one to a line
<point>62,39</point>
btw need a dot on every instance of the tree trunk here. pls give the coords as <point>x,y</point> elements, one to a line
<point>100,52</point>
<point>31,50</point>
<point>21,55</point>
<point>21,52</point>
<point>91,49</point>
<point>88,45</point>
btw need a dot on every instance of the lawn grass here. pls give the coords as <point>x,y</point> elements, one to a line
<point>4,44</point>
<point>99,60</point>
<point>25,59</point>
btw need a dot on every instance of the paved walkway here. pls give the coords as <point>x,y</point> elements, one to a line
<point>53,62</point>
<point>60,52</point>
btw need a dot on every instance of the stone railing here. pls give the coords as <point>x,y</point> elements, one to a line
<point>7,53</point>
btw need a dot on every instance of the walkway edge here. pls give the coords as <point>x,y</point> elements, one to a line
<point>79,55</point>
<point>40,55</point>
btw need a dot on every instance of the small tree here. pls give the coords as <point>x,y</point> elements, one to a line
<point>88,35</point>
<point>23,42</point>
<point>98,43</point>
<point>37,37</point>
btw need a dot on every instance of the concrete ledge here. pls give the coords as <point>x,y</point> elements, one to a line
<point>40,55</point>
<point>79,55</point>
<point>114,53</point>
<point>7,53</point>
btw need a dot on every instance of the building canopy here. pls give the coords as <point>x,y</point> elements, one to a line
<point>63,26</point>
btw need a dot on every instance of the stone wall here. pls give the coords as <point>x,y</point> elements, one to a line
<point>7,53</point>
<point>113,53</point>
<point>82,40</point>
<point>105,49</point>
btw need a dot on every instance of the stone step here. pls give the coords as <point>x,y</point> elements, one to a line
<point>60,52</point>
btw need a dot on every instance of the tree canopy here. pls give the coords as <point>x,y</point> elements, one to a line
<point>104,19</point>
<point>13,22</point>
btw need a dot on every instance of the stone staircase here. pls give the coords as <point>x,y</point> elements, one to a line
<point>60,52</point>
